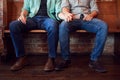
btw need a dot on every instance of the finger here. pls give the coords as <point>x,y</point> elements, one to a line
<point>84,18</point>
<point>19,19</point>
<point>89,18</point>
<point>24,20</point>
<point>68,20</point>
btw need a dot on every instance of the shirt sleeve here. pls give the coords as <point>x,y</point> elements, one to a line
<point>26,5</point>
<point>65,3</point>
<point>58,8</point>
<point>93,6</point>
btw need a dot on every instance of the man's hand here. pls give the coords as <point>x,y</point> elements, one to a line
<point>23,16</point>
<point>22,19</point>
<point>68,17</point>
<point>88,18</point>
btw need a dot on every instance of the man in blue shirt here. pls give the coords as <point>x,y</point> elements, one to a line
<point>36,14</point>
<point>80,14</point>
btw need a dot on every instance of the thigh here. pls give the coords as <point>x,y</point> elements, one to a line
<point>18,26</point>
<point>93,26</point>
<point>48,24</point>
<point>71,26</point>
<point>30,24</point>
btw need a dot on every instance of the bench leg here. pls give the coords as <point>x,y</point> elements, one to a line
<point>2,51</point>
<point>117,44</point>
<point>3,55</point>
<point>117,47</point>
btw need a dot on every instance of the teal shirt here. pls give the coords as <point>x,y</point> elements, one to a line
<point>53,7</point>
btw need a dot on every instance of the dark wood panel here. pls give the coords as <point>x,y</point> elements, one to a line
<point>118,14</point>
<point>107,8</point>
<point>13,11</point>
<point>111,20</point>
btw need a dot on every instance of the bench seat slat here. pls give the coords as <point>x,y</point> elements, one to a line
<point>41,31</point>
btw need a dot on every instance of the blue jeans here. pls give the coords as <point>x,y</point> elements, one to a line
<point>17,29</point>
<point>95,26</point>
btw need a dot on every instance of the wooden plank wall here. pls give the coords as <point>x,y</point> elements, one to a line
<point>1,25</point>
<point>109,12</point>
<point>13,11</point>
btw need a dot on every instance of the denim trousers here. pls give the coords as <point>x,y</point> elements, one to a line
<point>96,26</point>
<point>17,30</point>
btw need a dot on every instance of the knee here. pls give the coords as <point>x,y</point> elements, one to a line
<point>64,30</point>
<point>52,26</point>
<point>13,26</point>
<point>104,27</point>
<point>63,27</point>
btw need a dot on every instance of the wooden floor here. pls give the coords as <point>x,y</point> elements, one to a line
<point>78,70</point>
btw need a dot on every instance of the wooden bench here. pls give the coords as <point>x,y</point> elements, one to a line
<point>39,31</point>
<point>109,12</point>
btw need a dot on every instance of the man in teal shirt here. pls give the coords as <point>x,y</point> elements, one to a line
<point>36,14</point>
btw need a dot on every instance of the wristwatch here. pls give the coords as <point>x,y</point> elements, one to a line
<point>81,16</point>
